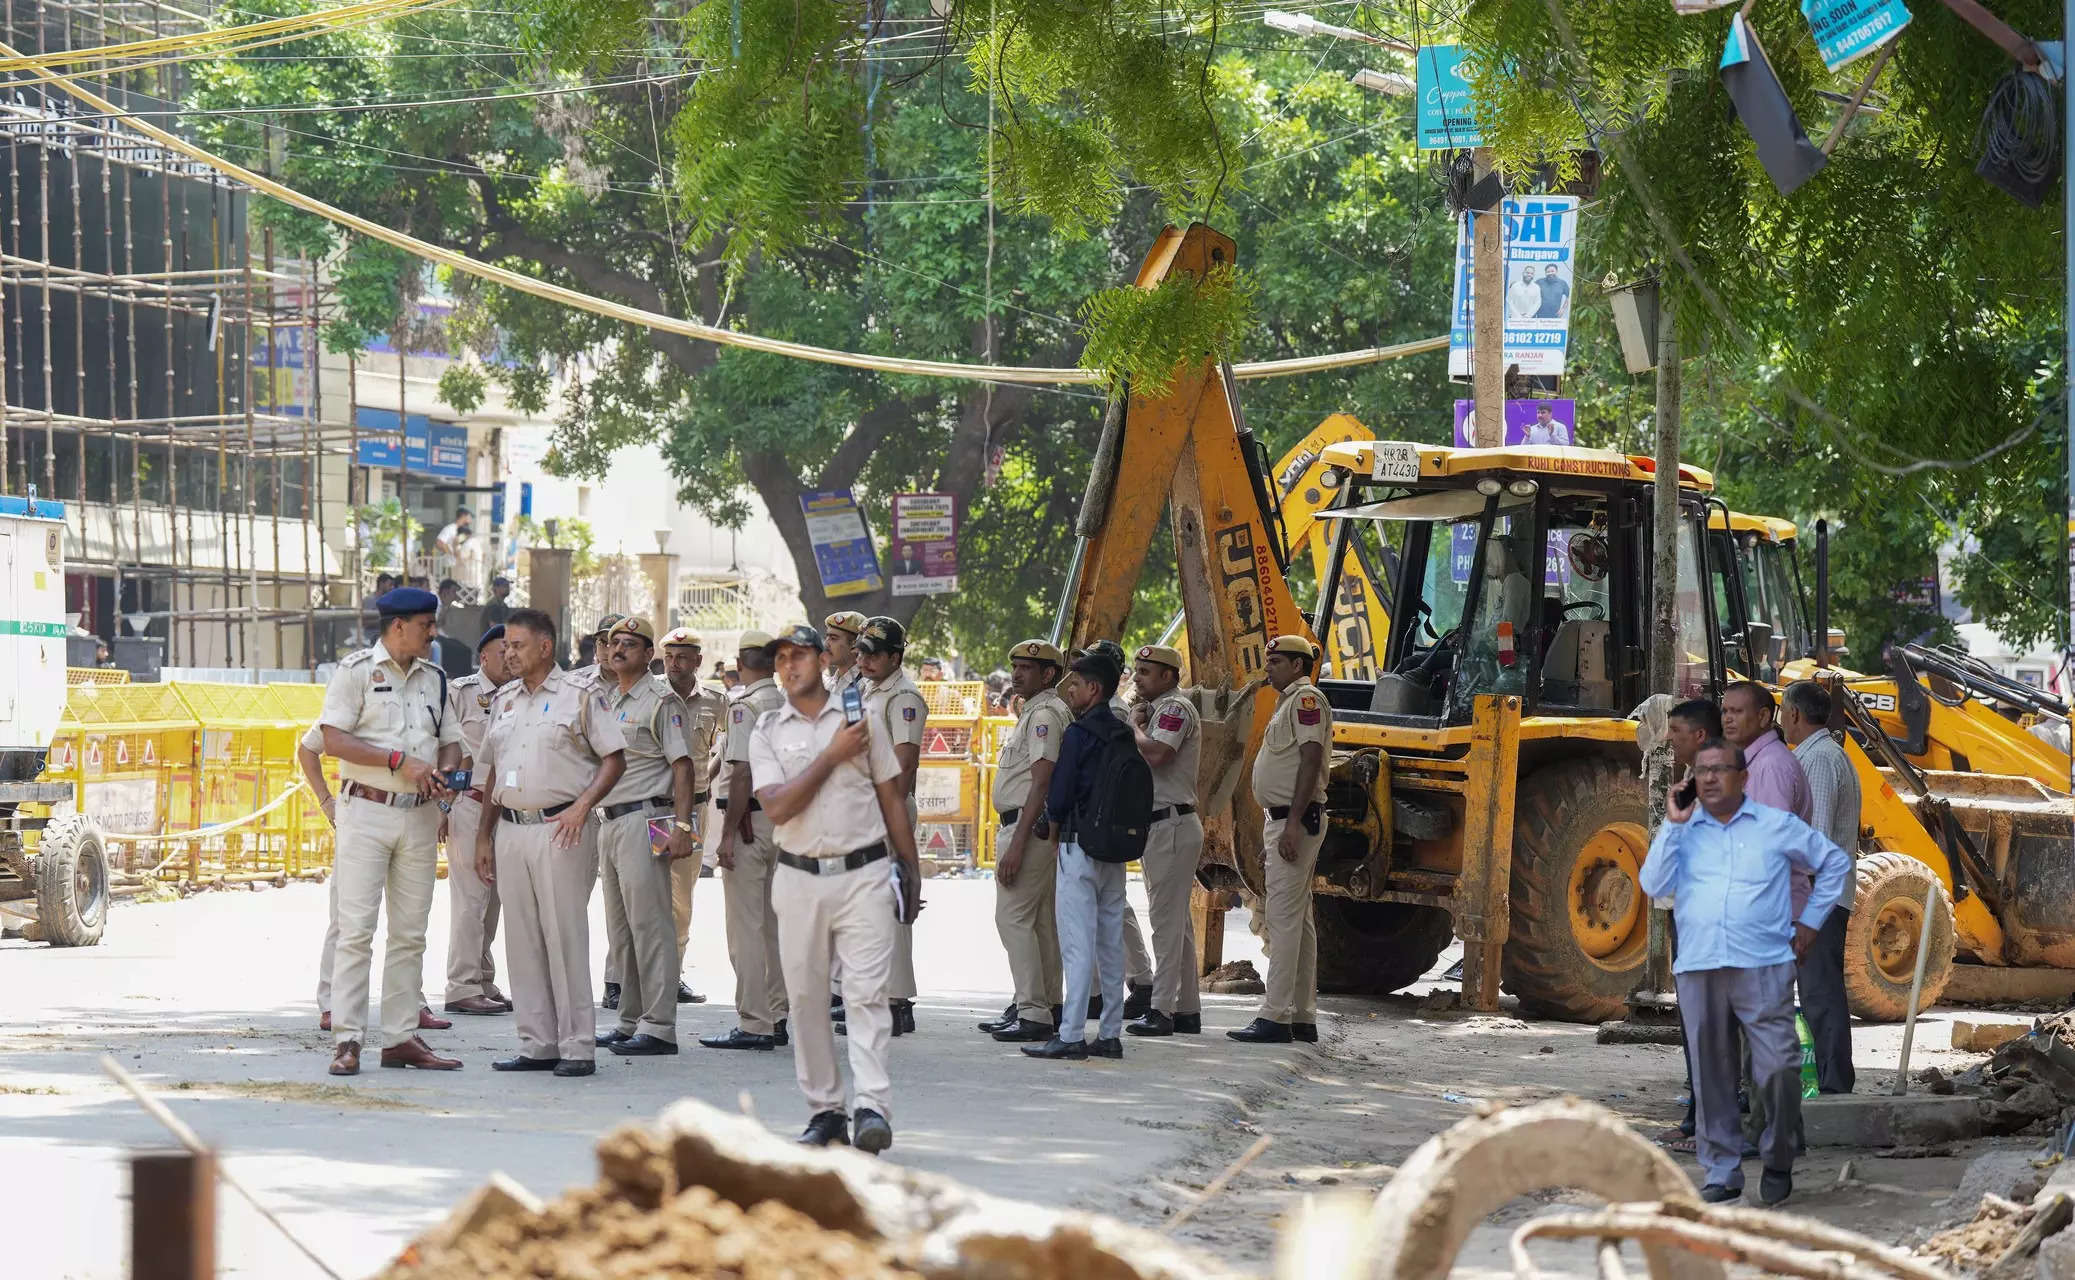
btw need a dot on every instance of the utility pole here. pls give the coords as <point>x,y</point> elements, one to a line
<point>1664,525</point>
<point>1488,315</point>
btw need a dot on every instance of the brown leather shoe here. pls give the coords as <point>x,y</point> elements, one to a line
<point>324,1021</point>
<point>478,1004</point>
<point>416,1053</point>
<point>345,1060</point>
<point>430,1021</point>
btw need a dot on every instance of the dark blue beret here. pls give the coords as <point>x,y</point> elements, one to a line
<point>406,602</point>
<point>490,637</point>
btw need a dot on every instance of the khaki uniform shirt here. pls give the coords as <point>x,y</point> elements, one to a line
<point>896,706</point>
<point>1173,722</point>
<point>654,721</point>
<point>837,682</point>
<point>844,814</point>
<point>1301,716</point>
<point>543,745</point>
<point>708,705</point>
<point>746,702</point>
<point>385,706</point>
<point>1036,737</point>
<point>468,705</point>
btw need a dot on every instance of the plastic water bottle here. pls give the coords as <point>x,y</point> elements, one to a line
<point>1808,1054</point>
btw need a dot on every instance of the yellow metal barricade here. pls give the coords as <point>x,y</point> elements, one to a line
<point>247,758</point>
<point>312,844</point>
<point>987,739</point>
<point>96,675</point>
<point>129,752</point>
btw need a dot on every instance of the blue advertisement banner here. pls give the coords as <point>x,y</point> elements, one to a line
<point>1847,29</point>
<point>842,546</point>
<point>430,448</point>
<point>1540,235</point>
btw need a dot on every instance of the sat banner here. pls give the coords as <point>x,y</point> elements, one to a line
<point>924,555</point>
<point>842,547</point>
<point>1540,234</point>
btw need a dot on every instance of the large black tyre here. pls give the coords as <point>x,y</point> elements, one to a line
<point>71,882</point>
<point>1375,948</point>
<point>1880,943</point>
<point>1579,928</point>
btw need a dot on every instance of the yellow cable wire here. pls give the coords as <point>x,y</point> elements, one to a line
<point>657,321</point>
<point>321,20</point>
<point>421,6</point>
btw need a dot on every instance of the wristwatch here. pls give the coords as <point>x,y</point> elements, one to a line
<point>685,827</point>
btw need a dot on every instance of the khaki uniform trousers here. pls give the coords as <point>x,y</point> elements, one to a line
<point>1173,848</point>
<point>391,856</point>
<point>331,942</point>
<point>846,918</point>
<point>547,939</point>
<point>1292,994</point>
<point>760,993</point>
<point>1024,917</point>
<point>684,873</point>
<point>471,907</point>
<point>640,924</point>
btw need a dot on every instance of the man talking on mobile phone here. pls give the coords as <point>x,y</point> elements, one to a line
<point>847,879</point>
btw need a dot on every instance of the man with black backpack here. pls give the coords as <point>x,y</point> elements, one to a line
<point>1101,799</point>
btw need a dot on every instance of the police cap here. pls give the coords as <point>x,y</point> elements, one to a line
<point>800,635</point>
<point>406,602</point>
<point>490,637</point>
<point>850,622</point>
<point>882,635</point>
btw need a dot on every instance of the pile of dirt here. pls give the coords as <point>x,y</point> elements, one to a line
<point>1238,978</point>
<point>1977,1244</point>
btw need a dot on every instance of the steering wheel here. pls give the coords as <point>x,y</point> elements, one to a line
<point>1420,664</point>
<point>1426,621</point>
<point>1601,616</point>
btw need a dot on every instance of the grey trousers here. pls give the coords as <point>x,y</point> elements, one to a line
<point>1713,1005</point>
<point>1089,901</point>
<point>1821,977</point>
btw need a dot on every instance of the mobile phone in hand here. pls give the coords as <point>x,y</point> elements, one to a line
<point>853,705</point>
<point>456,779</point>
<point>1686,793</point>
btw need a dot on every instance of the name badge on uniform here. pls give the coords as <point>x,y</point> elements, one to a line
<point>511,777</point>
<point>382,688</point>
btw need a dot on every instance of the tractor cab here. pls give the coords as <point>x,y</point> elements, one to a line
<point>1757,591</point>
<point>1524,571</point>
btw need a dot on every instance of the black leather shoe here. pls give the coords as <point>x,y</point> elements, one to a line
<point>1005,1021</point>
<point>1188,1024</point>
<point>575,1067</point>
<point>1106,1049</point>
<point>778,1036</point>
<point>1262,1031</point>
<point>608,1039</point>
<point>1138,1001</point>
<point>1026,1030</point>
<point>740,1039</point>
<point>644,1046</point>
<point>685,994</point>
<point>1057,1050</point>
<point>825,1128</point>
<point>1304,1032</point>
<point>1716,1193</point>
<point>523,1063</point>
<point>1152,1023</point>
<point>904,1017</point>
<point>870,1132</point>
<point>611,998</point>
<point>1776,1185</point>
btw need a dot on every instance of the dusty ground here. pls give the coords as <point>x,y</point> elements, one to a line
<point>209,1001</point>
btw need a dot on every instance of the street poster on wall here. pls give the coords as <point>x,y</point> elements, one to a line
<point>924,554</point>
<point>842,546</point>
<point>1540,235</point>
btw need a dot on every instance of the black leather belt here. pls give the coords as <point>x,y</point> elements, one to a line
<point>634,806</point>
<point>755,805</point>
<point>1178,811</point>
<point>851,861</point>
<point>699,797</point>
<point>1009,816</point>
<point>534,817</point>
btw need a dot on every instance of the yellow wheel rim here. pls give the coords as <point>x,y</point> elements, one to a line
<point>1892,944</point>
<point>1609,914</point>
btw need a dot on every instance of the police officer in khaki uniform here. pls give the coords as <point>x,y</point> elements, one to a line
<point>839,665</point>
<point>653,794</point>
<point>1027,849</point>
<point>1170,737</point>
<point>682,653</point>
<point>896,709</point>
<point>589,675</point>
<point>384,721</point>
<point>747,857</point>
<point>471,901</point>
<point>551,753</point>
<point>832,787</point>
<point>1289,782</point>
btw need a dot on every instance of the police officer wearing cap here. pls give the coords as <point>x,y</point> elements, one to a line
<point>683,651</point>
<point>1289,782</point>
<point>594,672</point>
<point>832,788</point>
<point>471,900</point>
<point>839,664</point>
<point>385,722</point>
<point>589,675</point>
<point>1027,848</point>
<point>747,858</point>
<point>895,707</point>
<point>1138,962</point>
<point>1170,737</point>
<point>645,824</point>
<point>551,753</point>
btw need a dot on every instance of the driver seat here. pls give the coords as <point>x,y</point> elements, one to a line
<point>1575,671</point>
<point>1399,696</point>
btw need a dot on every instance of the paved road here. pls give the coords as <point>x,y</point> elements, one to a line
<point>209,1000</point>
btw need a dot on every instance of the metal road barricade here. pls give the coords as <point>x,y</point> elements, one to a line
<point>96,675</point>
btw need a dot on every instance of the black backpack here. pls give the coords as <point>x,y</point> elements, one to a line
<point>1112,823</point>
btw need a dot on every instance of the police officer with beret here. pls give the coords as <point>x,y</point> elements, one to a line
<point>385,722</point>
<point>1289,782</point>
<point>471,900</point>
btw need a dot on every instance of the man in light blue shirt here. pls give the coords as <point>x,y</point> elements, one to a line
<point>1727,860</point>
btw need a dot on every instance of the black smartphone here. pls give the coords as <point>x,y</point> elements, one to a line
<point>1686,793</point>
<point>853,705</point>
<point>456,779</point>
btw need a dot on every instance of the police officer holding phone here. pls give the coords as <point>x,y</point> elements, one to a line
<point>847,879</point>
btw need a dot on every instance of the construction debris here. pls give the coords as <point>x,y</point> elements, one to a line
<point>2002,1235</point>
<point>1239,978</point>
<point>1969,1036</point>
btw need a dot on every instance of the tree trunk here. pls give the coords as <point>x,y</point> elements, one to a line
<point>1664,535</point>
